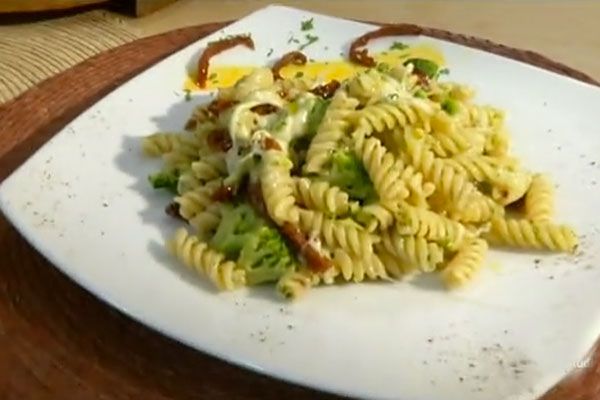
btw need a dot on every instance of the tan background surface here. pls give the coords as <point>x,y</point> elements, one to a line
<point>567,30</point>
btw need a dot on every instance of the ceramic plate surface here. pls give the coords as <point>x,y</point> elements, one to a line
<point>84,202</point>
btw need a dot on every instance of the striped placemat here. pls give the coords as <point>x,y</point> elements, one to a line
<point>32,52</point>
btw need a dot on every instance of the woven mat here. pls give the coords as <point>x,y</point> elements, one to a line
<point>30,53</point>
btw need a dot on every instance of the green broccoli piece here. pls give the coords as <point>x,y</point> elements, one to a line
<point>265,256</point>
<point>243,236</point>
<point>399,46</point>
<point>237,225</point>
<point>423,66</point>
<point>165,180</point>
<point>451,106</point>
<point>348,172</point>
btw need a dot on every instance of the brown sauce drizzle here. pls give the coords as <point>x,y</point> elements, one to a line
<point>217,47</point>
<point>362,57</point>
<point>293,57</point>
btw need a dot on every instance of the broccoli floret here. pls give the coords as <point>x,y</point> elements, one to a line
<point>243,236</point>
<point>348,172</point>
<point>236,226</point>
<point>265,256</point>
<point>165,180</point>
<point>424,66</point>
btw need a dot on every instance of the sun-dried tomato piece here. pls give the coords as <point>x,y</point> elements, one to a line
<point>219,140</point>
<point>264,109</point>
<point>327,90</point>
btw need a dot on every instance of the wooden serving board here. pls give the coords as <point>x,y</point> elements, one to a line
<point>57,341</point>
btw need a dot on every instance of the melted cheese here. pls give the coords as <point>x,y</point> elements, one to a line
<point>295,120</point>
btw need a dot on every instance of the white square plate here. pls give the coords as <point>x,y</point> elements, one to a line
<point>84,202</point>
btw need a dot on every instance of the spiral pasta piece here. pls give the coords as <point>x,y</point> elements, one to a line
<point>532,234</point>
<point>484,116</point>
<point>378,216</point>
<point>199,256</point>
<point>332,129</point>
<point>209,167</point>
<point>454,186</point>
<point>394,266</point>
<point>387,115</point>
<point>344,234</point>
<point>160,143</point>
<point>278,187</point>
<point>465,264</point>
<point>383,168</point>
<point>322,196</point>
<point>178,160</point>
<point>367,86</point>
<point>415,252</point>
<point>497,144</point>
<point>206,221</point>
<point>294,284</point>
<point>192,202</point>
<point>480,209</point>
<point>413,221</point>
<point>507,185</point>
<point>187,181</point>
<point>539,199</point>
<point>418,190</point>
<point>357,268</point>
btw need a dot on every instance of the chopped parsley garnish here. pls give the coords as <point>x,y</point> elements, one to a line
<point>399,46</point>
<point>310,39</point>
<point>188,95</point>
<point>443,71</point>
<point>293,40</point>
<point>270,52</point>
<point>212,76</point>
<point>307,25</point>
<point>299,74</point>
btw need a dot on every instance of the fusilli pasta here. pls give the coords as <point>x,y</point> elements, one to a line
<point>391,173</point>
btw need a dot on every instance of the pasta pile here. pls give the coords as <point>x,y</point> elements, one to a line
<point>389,174</point>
